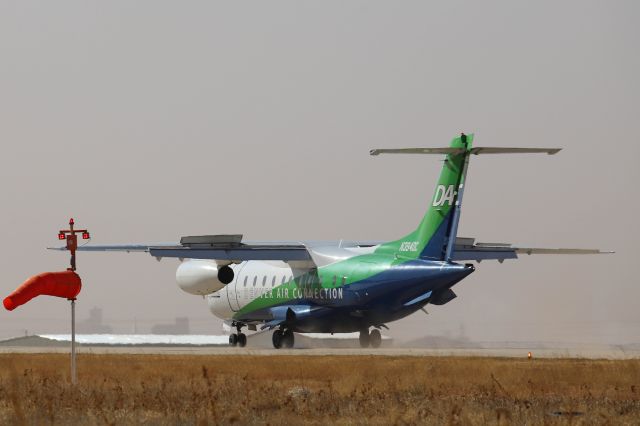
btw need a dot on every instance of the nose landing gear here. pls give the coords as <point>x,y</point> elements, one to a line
<point>239,339</point>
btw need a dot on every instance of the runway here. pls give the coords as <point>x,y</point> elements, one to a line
<point>585,353</point>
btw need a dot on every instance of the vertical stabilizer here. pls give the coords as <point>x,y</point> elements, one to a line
<point>436,233</point>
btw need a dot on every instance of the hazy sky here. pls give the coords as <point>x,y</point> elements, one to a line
<point>149,120</point>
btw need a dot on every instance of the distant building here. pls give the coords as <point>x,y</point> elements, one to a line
<point>93,324</point>
<point>181,326</point>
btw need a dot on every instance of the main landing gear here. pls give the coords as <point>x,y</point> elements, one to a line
<point>373,339</point>
<point>239,339</point>
<point>282,338</point>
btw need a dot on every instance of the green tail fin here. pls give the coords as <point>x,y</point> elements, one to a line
<point>439,224</point>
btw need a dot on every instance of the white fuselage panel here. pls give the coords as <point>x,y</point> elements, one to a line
<point>251,280</point>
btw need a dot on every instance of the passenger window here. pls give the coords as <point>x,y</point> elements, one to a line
<point>344,280</point>
<point>264,280</point>
<point>245,280</point>
<point>283,278</point>
<point>333,281</point>
<point>255,279</point>
<point>273,281</point>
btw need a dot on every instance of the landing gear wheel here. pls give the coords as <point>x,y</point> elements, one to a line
<point>242,340</point>
<point>375,338</point>
<point>287,339</point>
<point>364,338</point>
<point>233,339</point>
<point>276,339</point>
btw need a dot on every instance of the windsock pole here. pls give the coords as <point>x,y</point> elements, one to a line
<point>74,375</point>
<point>72,244</point>
<point>66,284</point>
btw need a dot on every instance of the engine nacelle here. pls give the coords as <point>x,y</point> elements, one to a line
<point>203,276</point>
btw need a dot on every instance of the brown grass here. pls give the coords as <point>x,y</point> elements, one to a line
<point>126,389</point>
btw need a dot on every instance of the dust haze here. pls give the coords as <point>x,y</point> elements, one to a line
<point>151,120</point>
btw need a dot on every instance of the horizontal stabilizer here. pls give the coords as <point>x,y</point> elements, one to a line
<point>474,151</point>
<point>453,151</point>
<point>489,150</point>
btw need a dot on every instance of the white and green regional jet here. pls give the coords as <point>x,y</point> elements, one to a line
<point>339,287</point>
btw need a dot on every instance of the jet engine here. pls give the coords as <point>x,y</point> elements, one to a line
<point>202,277</point>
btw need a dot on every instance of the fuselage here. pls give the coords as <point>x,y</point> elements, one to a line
<point>348,295</point>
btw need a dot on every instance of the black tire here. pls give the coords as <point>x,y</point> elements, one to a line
<point>375,338</point>
<point>233,339</point>
<point>276,339</point>
<point>242,340</point>
<point>364,339</point>
<point>287,339</point>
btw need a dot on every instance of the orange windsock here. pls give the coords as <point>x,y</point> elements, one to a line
<point>65,284</point>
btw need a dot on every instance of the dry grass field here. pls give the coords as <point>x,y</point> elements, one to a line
<point>175,389</point>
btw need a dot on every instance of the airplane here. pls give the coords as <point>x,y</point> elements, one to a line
<point>342,286</point>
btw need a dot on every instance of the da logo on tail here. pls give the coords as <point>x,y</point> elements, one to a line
<point>444,195</point>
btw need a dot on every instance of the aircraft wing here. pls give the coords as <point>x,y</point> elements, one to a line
<point>219,247</point>
<point>232,249</point>
<point>468,249</point>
